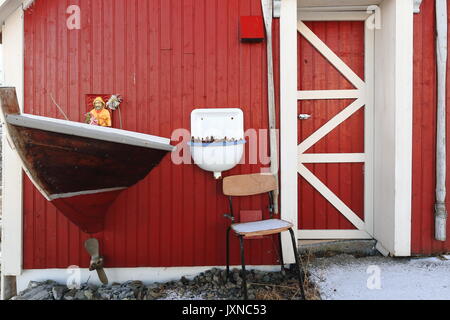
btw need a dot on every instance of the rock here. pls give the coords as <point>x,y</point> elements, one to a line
<point>38,291</point>
<point>34,284</point>
<point>154,295</point>
<point>210,285</point>
<point>89,294</point>
<point>70,295</point>
<point>105,295</point>
<point>184,281</point>
<point>59,292</point>
<point>43,294</point>
<point>79,295</point>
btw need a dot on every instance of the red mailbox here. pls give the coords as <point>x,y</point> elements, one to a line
<point>252,29</point>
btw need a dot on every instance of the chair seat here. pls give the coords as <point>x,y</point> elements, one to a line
<point>261,228</point>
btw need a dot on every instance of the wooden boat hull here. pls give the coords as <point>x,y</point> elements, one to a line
<point>81,176</point>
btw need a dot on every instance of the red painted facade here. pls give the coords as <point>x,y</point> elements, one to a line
<point>167,57</point>
<point>424,139</point>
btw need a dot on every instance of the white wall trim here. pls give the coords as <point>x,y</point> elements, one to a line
<point>121,275</point>
<point>333,234</point>
<point>394,127</point>
<point>392,144</point>
<point>289,155</point>
<point>404,126</point>
<point>13,53</point>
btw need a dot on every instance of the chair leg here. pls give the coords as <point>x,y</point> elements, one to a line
<point>228,254</point>
<point>299,264</point>
<point>244,273</point>
<point>280,253</point>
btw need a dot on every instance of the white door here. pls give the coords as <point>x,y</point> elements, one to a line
<point>335,125</point>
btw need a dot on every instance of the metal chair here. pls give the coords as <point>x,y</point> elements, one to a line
<point>251,185</point>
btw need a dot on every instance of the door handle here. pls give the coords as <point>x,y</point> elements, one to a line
<point>304,116</point>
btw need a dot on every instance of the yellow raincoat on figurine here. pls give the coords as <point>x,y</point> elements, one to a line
<point>100,115</point>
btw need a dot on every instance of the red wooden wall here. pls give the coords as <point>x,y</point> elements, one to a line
<point>424,168</point>
<point>165,57</point>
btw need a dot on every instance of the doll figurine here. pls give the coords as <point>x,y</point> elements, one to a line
<point>100,115</point>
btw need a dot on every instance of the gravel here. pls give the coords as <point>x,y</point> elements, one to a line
<point>210,285</point>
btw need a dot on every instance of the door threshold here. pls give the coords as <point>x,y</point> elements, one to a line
<point>320,248</point>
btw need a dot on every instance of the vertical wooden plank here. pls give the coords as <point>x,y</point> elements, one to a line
<point>40,214</point>
<point>166,241</point>
<point>417,244</point>
<point>199,102</point>
<point>333,175</point>
<point>50,85</point>
<point>428,119</point>
<point>211,100</point>
<point>288,119</point>
<point>29,239</point>
<point>188,26</point>
<point>154,198</point>
<point>176,122</point>
<point>120,61</point>
<point>142,120</point>
<point>345,131</point>
<point>188,170</point>
<point>130,123</point>
<point>222,22</point>
<point>306,66</point>
<point>166,24</point>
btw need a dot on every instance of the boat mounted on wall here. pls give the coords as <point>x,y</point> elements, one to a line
<point>80,168</point>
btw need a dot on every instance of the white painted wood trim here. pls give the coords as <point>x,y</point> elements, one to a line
<point>332,158</point>
<point>289,122</point>
<point>83,193</point>
<point>331,197</point>
<point>329,94</point>
<point>121,275</point>
<point>364,95</point>
<point>337,62</point>
<point>404,126</point>
<point>336,9</point>
<point>333,16</point>
<point>12,239</point>
<point>369,129</point>
<point>333,234</point>
<point>89,131</point>
<point>330,126</point>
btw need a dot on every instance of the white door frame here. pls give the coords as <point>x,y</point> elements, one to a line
<point>364,95</point>
<point>392,125</point>
<point>12,206</point>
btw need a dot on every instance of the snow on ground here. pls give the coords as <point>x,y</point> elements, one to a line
<point>345,277</point>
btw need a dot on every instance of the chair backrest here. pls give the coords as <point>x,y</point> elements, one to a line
<point>249,185</point>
